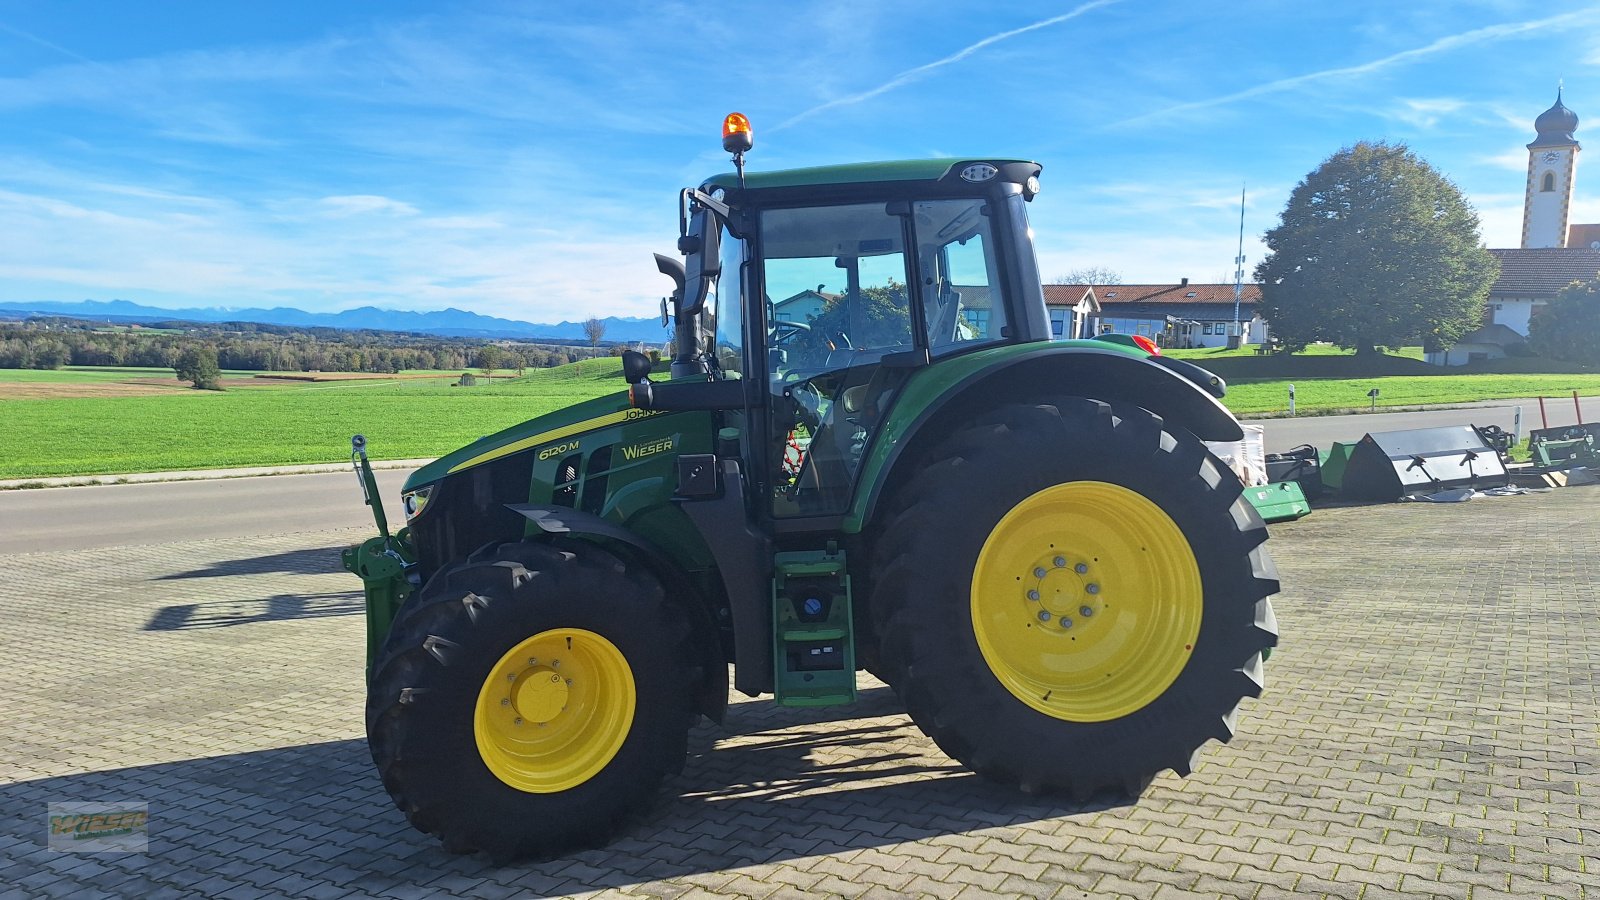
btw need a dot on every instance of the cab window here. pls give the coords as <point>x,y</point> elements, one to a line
<point>960,283</point>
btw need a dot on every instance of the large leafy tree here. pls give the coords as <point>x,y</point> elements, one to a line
<point>1375,249</point>
<point>197,364</point>
<point>1568,327</point>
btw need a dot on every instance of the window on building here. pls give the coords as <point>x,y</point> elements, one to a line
<point>1190,294</point>
<point>1549,182</point>
<point>1208,328</point>
<point>1058,322</point>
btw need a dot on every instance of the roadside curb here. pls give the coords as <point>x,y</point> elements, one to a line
<point>199,474</point>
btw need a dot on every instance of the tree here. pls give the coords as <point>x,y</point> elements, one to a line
<point>197,364</point>
<point>1568,327</point>
<point>594,330</point>
<point>1089,275</point>
<point>880,317</point>
<point>1375,248</point>
<point>489,360</point>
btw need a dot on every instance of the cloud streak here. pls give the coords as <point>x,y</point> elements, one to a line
<point>1442,45</point>
<point>46,44</point>
<point>919,72</point>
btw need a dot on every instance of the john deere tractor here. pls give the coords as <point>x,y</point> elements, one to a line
<point>870,452</point>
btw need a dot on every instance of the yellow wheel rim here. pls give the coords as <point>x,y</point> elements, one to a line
<point>554,710</point>
<point>1086,601</point>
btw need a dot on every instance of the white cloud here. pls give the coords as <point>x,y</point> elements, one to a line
<point>1499,217</point>
<point>365,204</point>
<point>1441,45</point>
<point>1513,160</point>
<point>918,72</point>
<point>1424,112</point>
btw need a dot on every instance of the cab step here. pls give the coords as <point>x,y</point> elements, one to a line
<point>814,658</point>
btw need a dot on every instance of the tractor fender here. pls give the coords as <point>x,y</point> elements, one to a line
<point>931,407</point>
<point>712,696</point>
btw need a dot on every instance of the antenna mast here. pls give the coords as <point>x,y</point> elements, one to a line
<point>1238,271</point>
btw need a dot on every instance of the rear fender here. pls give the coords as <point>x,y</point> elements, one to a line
<point>934,403</point>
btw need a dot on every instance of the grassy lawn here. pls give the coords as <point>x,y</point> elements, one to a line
<point>277,422</point>
<point>274,423</point>
<point>1322,394</point>
<point>1199,356</point>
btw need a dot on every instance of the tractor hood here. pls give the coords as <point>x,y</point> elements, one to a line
<point>612,409</point>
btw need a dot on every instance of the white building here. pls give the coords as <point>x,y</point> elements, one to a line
<point>1554,252</point>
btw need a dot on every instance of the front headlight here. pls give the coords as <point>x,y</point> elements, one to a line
<point>415,501</point>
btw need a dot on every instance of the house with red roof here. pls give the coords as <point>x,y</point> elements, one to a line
<point>1174,315</point>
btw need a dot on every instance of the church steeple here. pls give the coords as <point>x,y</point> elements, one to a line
<point>1555,126</point>
<point>1552,167</point>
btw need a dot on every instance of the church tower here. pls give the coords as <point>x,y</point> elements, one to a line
<point>1552,164</point>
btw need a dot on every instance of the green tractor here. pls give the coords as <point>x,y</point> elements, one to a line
<point>869,453</point>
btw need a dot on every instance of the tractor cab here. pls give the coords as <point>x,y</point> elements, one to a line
<point>823,291</point>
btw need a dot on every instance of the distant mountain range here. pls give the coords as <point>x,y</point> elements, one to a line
<point>456,323</point>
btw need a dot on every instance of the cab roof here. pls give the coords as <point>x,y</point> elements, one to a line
<point>862,173</point>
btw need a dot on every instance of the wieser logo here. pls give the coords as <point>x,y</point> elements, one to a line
<point>99,827</point>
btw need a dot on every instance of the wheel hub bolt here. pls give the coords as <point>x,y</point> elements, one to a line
<point>1086,611</point>
<point>1081,568</point>
<point>1061,562</point>
<point>1066,622</point>
<point>1033,595</point>
<point>1038,572</point>
<point>517,721</point>
<point>533,660</point>
<point>506,702</point>
<point>1092,588</point>
<point>1044,616</point>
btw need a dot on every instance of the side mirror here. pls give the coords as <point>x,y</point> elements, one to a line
<point>635,366</point>
<point>704,260</point>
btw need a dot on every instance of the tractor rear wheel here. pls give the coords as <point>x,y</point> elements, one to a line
<point>1073,597</point>
<point>531,699</point>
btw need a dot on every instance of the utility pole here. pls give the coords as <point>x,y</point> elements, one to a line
<point>1238,271</point>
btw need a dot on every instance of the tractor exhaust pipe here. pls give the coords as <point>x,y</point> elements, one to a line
<point>686,330</point>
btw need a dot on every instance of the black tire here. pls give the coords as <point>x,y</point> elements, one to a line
<point>928,545</point>
<point>447,641</point>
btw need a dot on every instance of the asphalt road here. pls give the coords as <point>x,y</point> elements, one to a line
<point>80,518</point>
<point>1321,431</point>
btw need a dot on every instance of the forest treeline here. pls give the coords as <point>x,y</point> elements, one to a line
<point>50,343</point>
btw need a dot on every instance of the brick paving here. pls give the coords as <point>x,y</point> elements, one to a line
<point>1431,727</point>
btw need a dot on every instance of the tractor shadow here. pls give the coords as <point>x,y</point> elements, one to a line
<point>314,561</point>
<point>769,785</point>
<point>279,608</point>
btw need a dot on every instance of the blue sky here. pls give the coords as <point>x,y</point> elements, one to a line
<point>522,159</point>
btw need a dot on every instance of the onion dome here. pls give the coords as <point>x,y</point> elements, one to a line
<point>1555,126</point>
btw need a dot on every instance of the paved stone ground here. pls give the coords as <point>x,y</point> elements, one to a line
<point>1430,727</point>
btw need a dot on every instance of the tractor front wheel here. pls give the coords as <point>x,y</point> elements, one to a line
<point>1073,597</point>
<point>531,700</point>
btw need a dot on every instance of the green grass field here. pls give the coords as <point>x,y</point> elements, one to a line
<point>1314,395</point>
<point>276,422</point>
<point>1201,355</point>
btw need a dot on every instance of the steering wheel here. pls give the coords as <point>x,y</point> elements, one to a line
<point>808,403</point>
